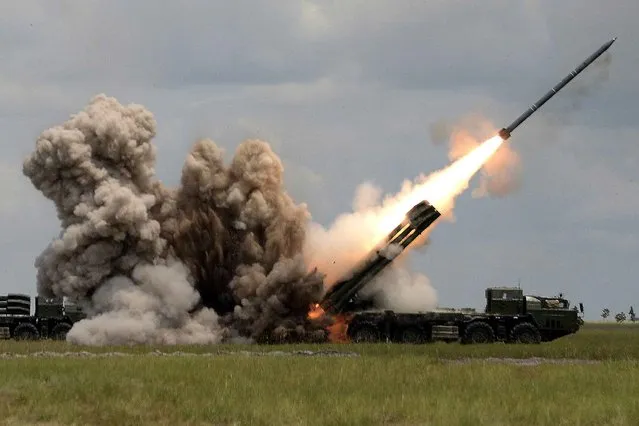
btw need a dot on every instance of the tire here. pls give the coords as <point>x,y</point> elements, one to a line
<point>478,332</point>
<point>365,334</point>
<point>60,331</point>
<point>525,333</point>
<point>412,336</point>
<point>26,331</point>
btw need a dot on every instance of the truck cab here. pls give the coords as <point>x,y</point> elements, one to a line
<point>552,315</point>
<point>505,301</point>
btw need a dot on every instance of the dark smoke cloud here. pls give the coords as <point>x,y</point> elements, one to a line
<point>219,257</point>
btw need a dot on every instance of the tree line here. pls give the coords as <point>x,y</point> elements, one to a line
<point>621,316</point>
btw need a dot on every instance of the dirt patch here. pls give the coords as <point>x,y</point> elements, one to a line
<point>86,354</point>
<point>521,361</point>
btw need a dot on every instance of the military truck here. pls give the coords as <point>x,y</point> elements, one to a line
<point>53,318</point>
<point>509,316</point>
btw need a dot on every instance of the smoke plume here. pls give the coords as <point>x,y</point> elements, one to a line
<point>217,258</point>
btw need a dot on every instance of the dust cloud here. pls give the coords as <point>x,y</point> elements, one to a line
<point>217,258</point>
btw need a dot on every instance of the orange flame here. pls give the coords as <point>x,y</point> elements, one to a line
<point>337,331</point>
<point>442,187</point>
<point>316,312</point>
<point>338,327</point>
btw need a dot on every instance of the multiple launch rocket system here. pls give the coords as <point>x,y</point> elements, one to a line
<point>343,296</point>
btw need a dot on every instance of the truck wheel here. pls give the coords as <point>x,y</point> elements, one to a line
<point>60,331</point>
<point>479,332</point>
<point>365,334</point>
<point>26,331</point>
<point>525,333</point>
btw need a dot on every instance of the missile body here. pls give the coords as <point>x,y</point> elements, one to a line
<point>506,131</point>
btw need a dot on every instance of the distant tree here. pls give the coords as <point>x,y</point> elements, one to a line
<point>631,314</point>
<point>620,317</point>
<point>605,313</point>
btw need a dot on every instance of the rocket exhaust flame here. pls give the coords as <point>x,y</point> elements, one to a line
<point>441,188</point>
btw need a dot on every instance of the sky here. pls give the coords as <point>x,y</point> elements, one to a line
<point>350,92</point>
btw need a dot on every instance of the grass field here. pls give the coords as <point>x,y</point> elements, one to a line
<point>594,380</point>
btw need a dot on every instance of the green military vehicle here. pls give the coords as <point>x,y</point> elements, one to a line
<point>53,318</point>
<point>509,316</point>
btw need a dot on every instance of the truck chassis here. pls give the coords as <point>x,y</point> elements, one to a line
<point>52,319</point>
<point>426,327</point>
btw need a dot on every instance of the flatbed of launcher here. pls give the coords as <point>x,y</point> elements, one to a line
<point>463,326</point>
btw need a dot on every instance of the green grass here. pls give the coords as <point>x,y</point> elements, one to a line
<point>594,341</point>
<point>387,384</point>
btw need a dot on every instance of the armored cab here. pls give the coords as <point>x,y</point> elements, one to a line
<point>552,316</point>
<point>74,311</point>
<point>505,300</point>
<point>52,308</point>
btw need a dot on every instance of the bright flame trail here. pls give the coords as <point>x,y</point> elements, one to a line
<point>440,189</point>
<point>335,251</point>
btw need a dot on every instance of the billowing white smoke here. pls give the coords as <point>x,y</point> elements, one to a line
<point>218,257</point>
<point>151,307</point>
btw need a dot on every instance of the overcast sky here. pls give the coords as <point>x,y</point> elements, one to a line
<point>348,92</point>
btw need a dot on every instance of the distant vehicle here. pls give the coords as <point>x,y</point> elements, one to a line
<point>53,318</point>
<point>510,316</point>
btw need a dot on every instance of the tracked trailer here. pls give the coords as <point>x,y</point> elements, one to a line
<point>52,318</point>
<point>509,315</point>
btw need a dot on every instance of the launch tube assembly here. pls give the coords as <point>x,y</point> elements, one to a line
<point>506,131</point>
<point>343,295</point>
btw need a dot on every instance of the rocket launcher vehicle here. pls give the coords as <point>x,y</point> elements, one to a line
<point>343,296</point>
